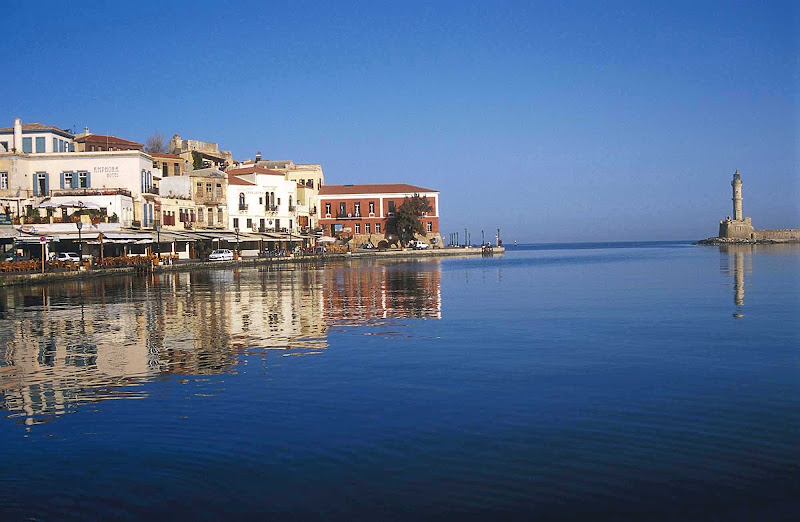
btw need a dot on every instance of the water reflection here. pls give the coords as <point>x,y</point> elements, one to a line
<point>736,260</point>
<point>79,342</point>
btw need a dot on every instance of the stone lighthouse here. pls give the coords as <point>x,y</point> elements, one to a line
<point>738,227</point>
<point>737,196</point>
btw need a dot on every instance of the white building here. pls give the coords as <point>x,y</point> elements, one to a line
<point>261,200</point>
<point>35,138</point>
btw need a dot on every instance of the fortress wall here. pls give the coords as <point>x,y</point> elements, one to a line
<point>736,229</point>
<point>778,234</point>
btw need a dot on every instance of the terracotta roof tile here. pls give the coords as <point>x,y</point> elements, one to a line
<point>235,180</point>
<point>385,188</point>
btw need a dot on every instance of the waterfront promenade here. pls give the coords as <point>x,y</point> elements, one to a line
<point>10,279</point>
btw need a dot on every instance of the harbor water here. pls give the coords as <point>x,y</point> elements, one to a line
<point>619,381</point>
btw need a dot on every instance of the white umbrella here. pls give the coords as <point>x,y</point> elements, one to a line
<point>80,204</point>
<point>48,204</point>
<point>326,239</point>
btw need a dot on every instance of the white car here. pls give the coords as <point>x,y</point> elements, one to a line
<point>221,254</point>
<point>418,245</point>
<point>68,256</point>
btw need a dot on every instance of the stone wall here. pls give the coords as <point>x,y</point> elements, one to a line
<point>777,234</point>
<point>735,228</point>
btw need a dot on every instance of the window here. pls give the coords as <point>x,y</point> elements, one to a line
<point>357,208</point>
<point>358,228</point>
<point>342,209</point>
<point>249,223</point>
<point>55,144</point>
<point>62,147</point>
<point>367,228</point>
<point>277,224</point>
<point>219,190</point>
<point>279,202</point>
<point>40,184</point>
<point>391,208</point>
<point>235,222</point>
<point>165,168</point>
<point>371,207</point>
<point>68,180</point>
<point>327,208</point>
<point>219,215</point>
<point>241,201</point>
<point>3,180</point>
<point>83,179</point>
<point>429,227</point>
<point>377,228</point>
<point>176,171</point>
<point>208,190</point>
<point>200,214</point>
<point>260,201</point>
<point>27,145</point>
<point>3,146</point>
<point>199,190</point>
<point>40,144</point>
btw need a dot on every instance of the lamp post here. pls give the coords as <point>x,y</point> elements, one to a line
<point>157,226</point>
<point>79,224</point>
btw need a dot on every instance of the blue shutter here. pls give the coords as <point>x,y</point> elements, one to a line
<point>46,184</point>
<point>76,182</point>
<point>62,180</point>
<point>72,147</point>
<point>88,179</point>
<point>55,145</point>
<point>35,183</point>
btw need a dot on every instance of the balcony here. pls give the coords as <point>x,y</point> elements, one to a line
<point>151,190</point>
<point>291,208</point>
<point>271,208</point>
<point>348,216</point>
<point>91,192</point>
<point>243,207</point>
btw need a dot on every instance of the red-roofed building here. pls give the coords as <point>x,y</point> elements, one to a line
<point>363,211</point>
<point>170,164</point>
<point>88,142</point>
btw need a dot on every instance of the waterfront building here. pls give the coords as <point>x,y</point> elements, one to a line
<point>35,138</point>
<point>261,200</point>
<point>170,164</point>
<point>364,211</point>
<point>207,189</point>
<point>120,184</point>
<point>89,142</point>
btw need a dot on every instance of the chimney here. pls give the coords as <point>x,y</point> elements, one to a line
<point>86,130</point>
<point>17,135</point>
<point>258,156</point>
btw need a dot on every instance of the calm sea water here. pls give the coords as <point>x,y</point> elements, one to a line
<point>638,381</point>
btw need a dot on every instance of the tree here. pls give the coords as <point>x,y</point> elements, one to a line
<point>407,222</point>
<point>197,160</point>
<point>155,143</point>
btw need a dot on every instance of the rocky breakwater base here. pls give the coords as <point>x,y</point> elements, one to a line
<point>739,241</point>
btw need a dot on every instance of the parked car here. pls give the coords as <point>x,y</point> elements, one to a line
<point>418,245</point>
<point>15,257</point>
<point>221,254</point>
<point>68,256</point>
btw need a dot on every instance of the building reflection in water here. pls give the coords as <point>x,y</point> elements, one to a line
<point>75,343</point>
<point>735,260</point>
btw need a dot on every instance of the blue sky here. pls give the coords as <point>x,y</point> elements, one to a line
<point>555,121</point>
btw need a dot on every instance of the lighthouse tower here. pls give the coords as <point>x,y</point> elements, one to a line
<point>737,196</point>
<point>738,227</point>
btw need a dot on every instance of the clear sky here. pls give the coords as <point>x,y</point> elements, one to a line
<point>554,121</point>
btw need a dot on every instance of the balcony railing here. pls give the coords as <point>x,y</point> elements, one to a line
<point>271,208</point>
<point>151,190</point>
<point>91,192</point>
<point>291,208</point>
<point>348,216</point>
<point>243,208</point>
